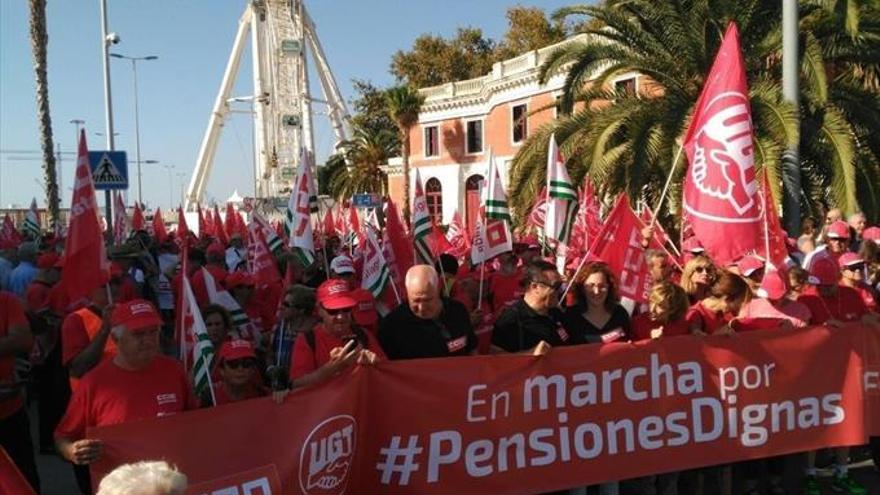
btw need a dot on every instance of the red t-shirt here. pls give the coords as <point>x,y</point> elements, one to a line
<point>505,288</point>
<point>75,337</point>
<point>642,324</point>
<point>846,306</point>
<point>37,295</point>
<point>867,297</point>
<point>11,315</point>
<point>708,321</point>
<point>110,395</point>
<point>222,397</point>
<point>304,361</point>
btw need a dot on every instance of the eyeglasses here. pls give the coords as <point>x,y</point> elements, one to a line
<point>703,269</point>
<point>336,312</point>
<point>555,287</point>
<point>239,364</point>
<point>855,268</point>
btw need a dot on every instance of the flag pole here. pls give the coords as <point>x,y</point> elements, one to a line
<point>394,289</point>
<point>571,282</point>
<point>766,182</point>
<point>482,276</point>
<point>666,186</point>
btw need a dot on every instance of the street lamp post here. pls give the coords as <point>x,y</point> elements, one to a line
<point>137,131</point>
<point>169,168</point>
<point>106,39</point>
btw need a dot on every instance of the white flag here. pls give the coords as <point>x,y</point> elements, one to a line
<point>561,196</point>
<point>303,202</point>
<point>202,348</point>
<point>376,273</point>
<point>247,330</point>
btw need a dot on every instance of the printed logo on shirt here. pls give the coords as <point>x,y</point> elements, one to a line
<point>563,335</point>
<point>325,459</point>
<point>456,345</point>
<point>164,401</point>
<point>611,336</point>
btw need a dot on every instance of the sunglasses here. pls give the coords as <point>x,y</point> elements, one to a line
<point>336,312</point>
<point>239,363</point>
<point>702,269</point>
<point>856,268</point>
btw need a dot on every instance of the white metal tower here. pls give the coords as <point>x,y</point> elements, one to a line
<point>280,31</point>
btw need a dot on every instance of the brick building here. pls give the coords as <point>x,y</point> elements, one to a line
<point>461,121</point>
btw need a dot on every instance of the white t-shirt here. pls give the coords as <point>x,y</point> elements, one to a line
<point>164,294</point>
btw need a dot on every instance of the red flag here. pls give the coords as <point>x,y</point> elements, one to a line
<point>203,225</point>
<point>137,218</point>
<point>353,227</point>
<point>209,224</point>
<point>261,263</point>
<point>587,223</point>
<point>241,225</point>
<point>339,224</point>
<point>400,242</point>
<point>329,224</point>
<point>119,219</point>
<point>720,188</point>
<point>230,220</point>
<point>776,246</point>
<point>438,242</point>
<point>159,231</point>
<point>538,212</point>
<point>12,482</point>
<point>85,261</point>
<point>219,229</point>
<point>458,237</point>
<point>182,228</point>
<point>619,244</point>
<point>10,238</point>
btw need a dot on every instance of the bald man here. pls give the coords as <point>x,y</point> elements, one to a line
<point>427,325</point>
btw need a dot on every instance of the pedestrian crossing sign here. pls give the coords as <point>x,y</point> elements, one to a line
<point>109,170</point>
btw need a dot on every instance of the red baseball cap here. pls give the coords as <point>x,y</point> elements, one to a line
<point>236,349</point>
<point>335,294</point>
<point>847,259</point>
<point>239,279</point>
<point>871,234</point>
<point>137,314</point>
<point>838,230</point>
<point>748,265</point>
<point>365,313</point>
<point>823,271</point>
<point>774,285</point>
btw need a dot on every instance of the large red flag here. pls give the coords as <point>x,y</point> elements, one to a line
<point>209,224</point>
<point>776,246</point>
<point>137,218</point>
<point>85,260</point>
<point>720,188</point>
<point>619,245</point>
<point>400,241</point>
<point>329,224</point>
<point>438,242</point>
<point>538,213</point>
<point>219,229</point>
<point>159,231</point>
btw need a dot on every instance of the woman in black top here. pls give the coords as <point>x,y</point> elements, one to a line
<point>597,312</point>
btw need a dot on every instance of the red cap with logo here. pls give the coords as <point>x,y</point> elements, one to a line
<point>838,230</point>
<point>239,279</point>
<point>849,259</point>
<point>137,314</point>
<point>365,313</point>
<point>236,349</point>
<point>823,271</point>
<point>335,294</point>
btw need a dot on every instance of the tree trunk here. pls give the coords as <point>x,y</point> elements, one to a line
<point>404,152</point>
<point>39,41</point>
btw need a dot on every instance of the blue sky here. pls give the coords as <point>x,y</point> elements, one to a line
<point>192,39</point>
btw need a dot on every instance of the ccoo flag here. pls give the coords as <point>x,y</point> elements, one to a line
<point>303,202</point>
<point>561,196</point>
<point>421,224</point>
<point>720,198</point>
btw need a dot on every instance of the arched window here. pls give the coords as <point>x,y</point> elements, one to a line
<point>434,198</point>
<point>472,200</point>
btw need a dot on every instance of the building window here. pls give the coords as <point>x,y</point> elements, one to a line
<point>520,123</point>
<point>432,142</point>
<point>626,86</point>
<point>434,198</point>
<point>474,136</point>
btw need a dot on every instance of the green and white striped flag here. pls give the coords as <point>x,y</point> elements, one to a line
<point>421,224</point>
<point>375,273</point>
<point>561,197</point>
<point>496,198</point>
<point>202,348</point>
<point>303,202</point>
<point>32,220</point>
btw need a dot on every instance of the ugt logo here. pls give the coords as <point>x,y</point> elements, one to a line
<point>326,457</point>
<point>723,163</point>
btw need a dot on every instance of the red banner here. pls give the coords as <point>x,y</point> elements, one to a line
<point>519,424</point>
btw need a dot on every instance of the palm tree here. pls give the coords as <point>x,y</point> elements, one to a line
<point>628,142</point>
<point>39,41</point>
<point>404,104</point>
<point>367,151</point>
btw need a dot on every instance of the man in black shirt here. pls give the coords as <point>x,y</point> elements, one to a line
<point>427,325</point>
<point>536,317</point>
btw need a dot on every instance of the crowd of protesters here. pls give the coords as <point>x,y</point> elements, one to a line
<point>112,357</point>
